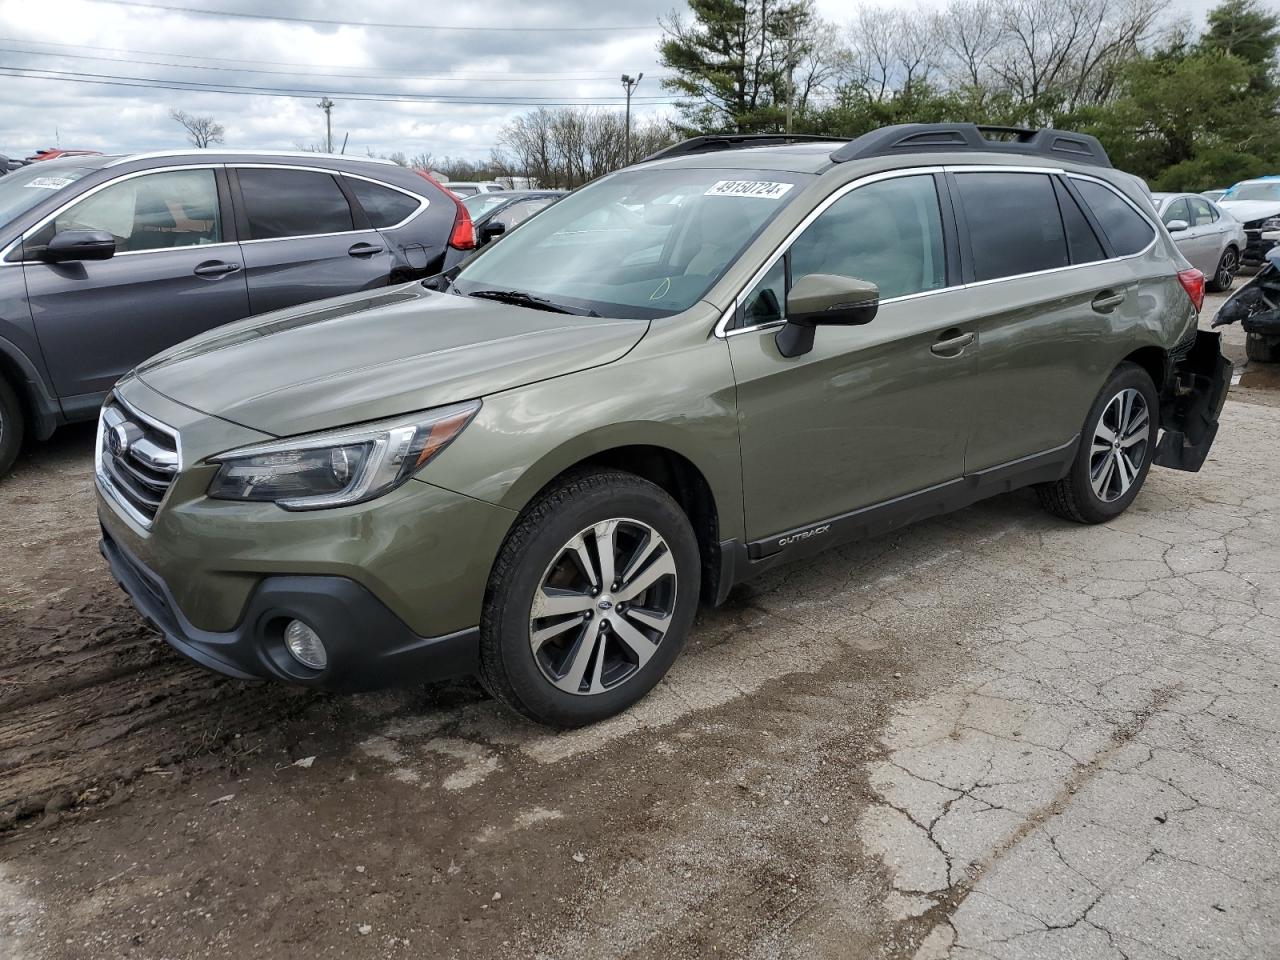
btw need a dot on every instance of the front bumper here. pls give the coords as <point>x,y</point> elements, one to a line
<point>368,646</point>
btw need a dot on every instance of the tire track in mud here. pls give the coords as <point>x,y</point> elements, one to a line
<point>91,698</point>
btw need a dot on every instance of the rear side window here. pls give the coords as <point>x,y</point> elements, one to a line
<point>385,207</point>
<point>1127,229</point>
<point>1014,223</point>
<point>293,203</point>
<point>1202,211</point>
<point>1082,242</point>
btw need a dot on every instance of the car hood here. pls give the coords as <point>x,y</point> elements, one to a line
<point>369,356</point>
<point>1246,210</point>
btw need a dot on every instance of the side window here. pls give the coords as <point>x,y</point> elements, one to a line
<point>1177,211</point>
<point>158,211</point>
<point>764,304</point>
<point>1014,223</point>
<point>1202,212</point>
<point>517,213</point>
<point>293,203</point>
<point>1127,230</point>
<point>888,232</point>
<point>384,207</point>
<point>1082,242</point>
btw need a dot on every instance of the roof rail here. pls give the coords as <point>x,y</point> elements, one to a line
<point>735,141</point>
<point>959,137</point>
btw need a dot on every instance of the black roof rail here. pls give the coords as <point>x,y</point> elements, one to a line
<point>735,141</point>
<point>959,137</point>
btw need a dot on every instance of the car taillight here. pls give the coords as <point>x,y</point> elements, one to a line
<point>463,234</point>
<point>1193,282</point>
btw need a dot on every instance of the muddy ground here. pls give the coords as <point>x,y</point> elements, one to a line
<point>989,735</point>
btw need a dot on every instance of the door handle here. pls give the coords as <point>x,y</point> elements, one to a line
<point>953,346</point>
<point>1106,301</point>
<point>215,268</point>
<point>364,250</point>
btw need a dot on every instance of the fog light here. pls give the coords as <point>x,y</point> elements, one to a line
<point>304,643</point>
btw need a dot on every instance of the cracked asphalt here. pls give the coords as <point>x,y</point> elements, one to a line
<point>991,735</point>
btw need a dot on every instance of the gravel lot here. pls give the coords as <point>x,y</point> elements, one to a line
<point>989,735</point>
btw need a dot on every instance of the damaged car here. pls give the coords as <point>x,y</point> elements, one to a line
<point>1256,204</point>
<point>535,467</point>
<point>1256,307</point>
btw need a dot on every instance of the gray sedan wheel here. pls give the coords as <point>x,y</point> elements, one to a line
<point>1225,275</point>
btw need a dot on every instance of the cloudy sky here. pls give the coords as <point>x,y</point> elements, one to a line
<point>547,52</point>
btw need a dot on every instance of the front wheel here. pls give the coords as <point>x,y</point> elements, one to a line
<point>590,600</point>
<point>1262,348</point>
<point>1225,275</point>
<point>1116,447</point>
<point>11,426</point>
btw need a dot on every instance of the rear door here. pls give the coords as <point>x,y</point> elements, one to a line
<point>302,237</point>
<point>176,273</point>
<point>1035,316</point>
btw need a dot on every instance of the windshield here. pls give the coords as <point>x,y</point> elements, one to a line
<point>1254,191</point>
<point>638,244</point>
<point>25,187</point>
<point>482,203</point>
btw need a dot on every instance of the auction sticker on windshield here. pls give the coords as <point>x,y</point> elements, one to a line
<point>766,189</point>
<point>50,183</point>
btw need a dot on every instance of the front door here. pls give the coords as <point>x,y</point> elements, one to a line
<point>176,273</point>
<point>871,413</point>
<point>303,239</point>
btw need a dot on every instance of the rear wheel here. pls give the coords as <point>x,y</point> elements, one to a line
<point>1262,348</point>
<point>1116,447</point>
<point>11,426</point>
<point>590,600</point>
<point>1225,275</point>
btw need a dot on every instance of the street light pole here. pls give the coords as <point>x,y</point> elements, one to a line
<point>629,83</point>
<point>327,106</point>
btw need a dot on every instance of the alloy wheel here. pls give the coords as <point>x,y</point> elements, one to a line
<point>1119,445</point>
<point>603,606</point>
<point>1228,267</point>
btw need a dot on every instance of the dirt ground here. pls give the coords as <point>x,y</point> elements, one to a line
<point>989,735</point>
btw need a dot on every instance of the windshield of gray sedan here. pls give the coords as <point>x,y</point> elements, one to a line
<point>638,244</point>
<point>25,187</point>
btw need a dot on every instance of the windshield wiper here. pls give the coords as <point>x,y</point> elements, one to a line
<point>521,299</point>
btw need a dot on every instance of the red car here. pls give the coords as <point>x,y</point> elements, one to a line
<point>55,154</point>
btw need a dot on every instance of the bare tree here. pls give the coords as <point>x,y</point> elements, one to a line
<point>201,131</point>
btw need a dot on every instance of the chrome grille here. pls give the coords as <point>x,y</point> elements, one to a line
<point>137,460</point>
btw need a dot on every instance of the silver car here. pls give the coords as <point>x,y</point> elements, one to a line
<point>1209,237</point>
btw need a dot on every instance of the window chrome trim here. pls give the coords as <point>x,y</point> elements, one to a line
<point>46,220</point>
<point>722,326</point>
<point>232,166</point>
<point>423,202</point>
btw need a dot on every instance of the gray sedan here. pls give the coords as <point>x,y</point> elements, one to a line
<point>1209,237</point>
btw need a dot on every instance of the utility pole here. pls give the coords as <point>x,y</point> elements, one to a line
<point>327,106</point>
<point>629,83</point>
<point>791,76</point>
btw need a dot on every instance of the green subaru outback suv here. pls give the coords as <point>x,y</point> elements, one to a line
<point>732,354</point>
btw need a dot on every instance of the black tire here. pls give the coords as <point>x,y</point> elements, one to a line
<point>509,669</point>
<point>1262,348</point>
<point>12,426</point>
<point>1074,497</point>
<point>1225,275</point>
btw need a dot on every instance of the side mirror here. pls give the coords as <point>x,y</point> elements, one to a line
<point>821,299</point>
<point>1177,226</point>
<point>492,230</point>
<point>72,245</point>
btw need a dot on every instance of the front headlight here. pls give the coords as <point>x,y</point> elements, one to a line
<point>1271,223</point>
<point>338,467</point>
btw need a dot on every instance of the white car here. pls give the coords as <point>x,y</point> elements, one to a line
<point>1256,204</point>
<point>1211,239</point>
<point>469,188</point>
